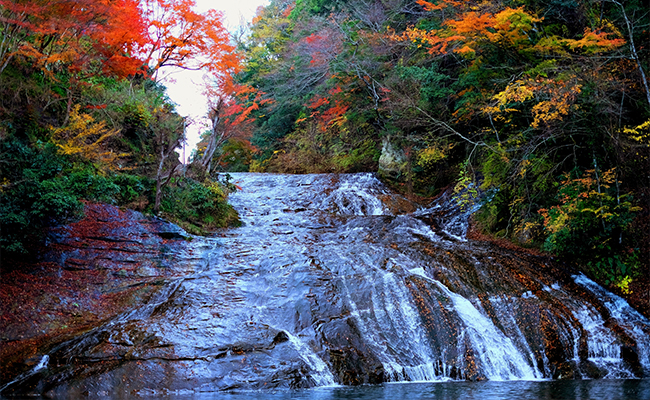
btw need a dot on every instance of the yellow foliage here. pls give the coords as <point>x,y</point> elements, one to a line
<point>516,92</point>
<point>523,167</point>
<point>624,284</point>
<point>427,157</point>
<point>555,99</point>
<point>512,25</point>
<point>216,189</point>
<point>5,183</point>
<point>552,44</point>
<point>640,133</point>
<point>549,111</point>
<point>85,138</point>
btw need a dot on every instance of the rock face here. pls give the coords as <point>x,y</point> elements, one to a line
<point>324,284</point>
<point>126,243</point>
<point>392,162</point>
<point>89,271</point>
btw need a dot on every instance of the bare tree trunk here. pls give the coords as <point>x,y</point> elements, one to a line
<point>216,138</point>
<point>635,56</point>
<point>163,179</point>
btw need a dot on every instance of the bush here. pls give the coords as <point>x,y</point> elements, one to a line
<point>42,188</point>
<point>589,224</point>
<point>197,207</point>
<point>33,194</point>
<point>135,192</point>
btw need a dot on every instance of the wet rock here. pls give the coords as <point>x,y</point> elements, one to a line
<point>281,337</point>
<point>91,270</point>
<point>356,293</point>
<point>354,368</point>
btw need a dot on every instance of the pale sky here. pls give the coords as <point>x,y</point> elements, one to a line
<point>186,88</point>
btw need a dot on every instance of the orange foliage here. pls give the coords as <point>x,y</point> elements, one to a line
<point>440,6</point>
<point>594,42</point>
<point>472,28</point>
<point>183,38</point>
<point>317,101</point>
<point>88,36</point>
<point>511,27</point>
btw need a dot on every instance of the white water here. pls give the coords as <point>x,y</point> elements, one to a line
<point>499,357</point>
<point>322,374</point>
<point>42,364</point>
<point>633,323</point>
<point>361,295</point>
<point>388,318</point>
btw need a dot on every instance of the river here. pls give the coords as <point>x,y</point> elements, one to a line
<point>332,282</point>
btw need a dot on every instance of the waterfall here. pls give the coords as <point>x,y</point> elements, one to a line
<point>333,279</point>
<point>633,323</point>
<point>499,357</point>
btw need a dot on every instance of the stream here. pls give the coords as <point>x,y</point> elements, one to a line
<point>333,281</point>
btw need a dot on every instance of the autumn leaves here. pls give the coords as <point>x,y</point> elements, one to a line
<point>119,37</point>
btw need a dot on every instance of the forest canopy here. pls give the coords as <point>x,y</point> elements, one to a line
<point>543,104</point>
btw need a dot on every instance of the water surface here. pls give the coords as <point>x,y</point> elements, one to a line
<point>630,389</point>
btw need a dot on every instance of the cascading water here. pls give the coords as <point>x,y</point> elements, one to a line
<point>327,282</point>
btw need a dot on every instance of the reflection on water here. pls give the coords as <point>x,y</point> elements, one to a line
<point>630,389</point>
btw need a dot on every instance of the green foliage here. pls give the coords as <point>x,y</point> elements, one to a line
<point>138,109</point>
<point>236,156</point>
<point>30,200</point>
<point>43,188</point>
<point>132,188</point>
<point>589,223</point>
<point>198,207</point>
<point>433,84</point>
<point>70,133</point>
<point>481,93</point>
<point>358,158</point>
<point>315,7</point>
<point>495,168</point>
<point>591,212</point>
<point>617,270</point>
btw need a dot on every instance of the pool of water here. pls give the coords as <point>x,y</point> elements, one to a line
<point>629,389</point>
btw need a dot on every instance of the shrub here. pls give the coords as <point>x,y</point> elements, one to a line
<point>589,223</point>
<point>33,194</point>
<point>197,207</point>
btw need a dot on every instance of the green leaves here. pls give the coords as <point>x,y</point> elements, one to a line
<point>589,222</point>
<point>197,207</point>
<point>434,85</point>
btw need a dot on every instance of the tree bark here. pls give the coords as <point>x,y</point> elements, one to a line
<point>216,138</point>
<point>635,56</point>
<point>163,179</point>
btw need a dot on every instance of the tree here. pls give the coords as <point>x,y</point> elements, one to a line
<point>87,139</point>
<point>631,26</point>
<point>230,117</point>
<point>182,38</point>
<point>84,36</point>
<point>169,132</point>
